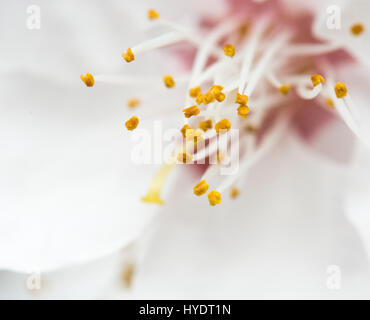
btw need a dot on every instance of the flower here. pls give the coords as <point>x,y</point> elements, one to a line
<point>275,80</point>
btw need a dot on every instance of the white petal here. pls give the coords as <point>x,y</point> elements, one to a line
<point>276,241</point>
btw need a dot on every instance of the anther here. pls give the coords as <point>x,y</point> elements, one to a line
<point>129,55</point>
<point>229,50</point>
<point>191,111</point>
<point>200,188</point>
<point>340,90</point>
<point>317,79</point>
<point>214,197</point>
<point>168,81</point>
<point>223,125</point>
<point>132,123</point>
<point>88,79</point>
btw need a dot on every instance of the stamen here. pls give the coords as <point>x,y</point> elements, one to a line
<point>128,55</point>
<point>234,192</point>
<point>229,50</point>
<point>184,157</point>
<point>168,81</point>
<point>357,29</point>
<point>88,79</point>
<point>205,125</point>
<point>132,123</point>
<point>199,99</point>
<point>285,88</point>
<point>184,129</point>
<point>195,92</point>
<point>223,125</point>
<point>317,79</point>
<point>241,99</point>
<point>191,111</point>
<point>214,197</point>
<point>128,274</point>
<point>201,188</point>
<point>208,97</point>
<point>152,14</point>
<point>133,102</point>
<point>243,110</point>
<point>340,90</point>
<point>329,102</point>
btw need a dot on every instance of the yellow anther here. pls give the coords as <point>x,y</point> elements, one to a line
<point>199,99</point>
<point>128,274</point>
<point>191,111</point>
<point>216,86</point>
<point>241,99</point>
<point>214,197</point>
<point>154,193</point>
<point>251,129</point>
<point>205,125</point>
<point>243,111</point>
<point>194,92</point>
<point>168,81</point>
<point>133,102</point>
<point>88,79</point>
<point>194,135</point>
<point>201,188</point>
<point>234,192</point>
<point>129,55</point>
<point>184,129</point>
<point>340,90</point>
<point>317,79</point>
<point>329,102</point>
<point>152,14</point>
<point>184,157</point>
<point>357,29</point>
<point>223,126</point>
<point>285,88</point>
<point>229,50</point>
<point>219,96</point>
<point>132,123</point>
<point>208,98</point>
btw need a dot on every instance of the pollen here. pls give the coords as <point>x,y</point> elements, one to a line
<point>214,197</point>
<point>128,55</point>
<point>329,102</point>
<point>357,29</point>
<point>199,99</point>
<point>317,79</point>
<point>285,88</point>
<point>340,90</point>
<point>184,157</point>
<point>201,188</point>
<point>184,129</point>
<point>168,81</point>
<point>243,111</point>
<point>88,79</point>
<point>191,111</point>
<point>133,102</point>
<point>152,14</point>
<point>194,92</point>
<point>241,99</point>
<point>205,125</point>
<point>208,97</point>
<point>223,126</point>
<point>132,123</point>
<point>234,192</point>
<point>229,50</point>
